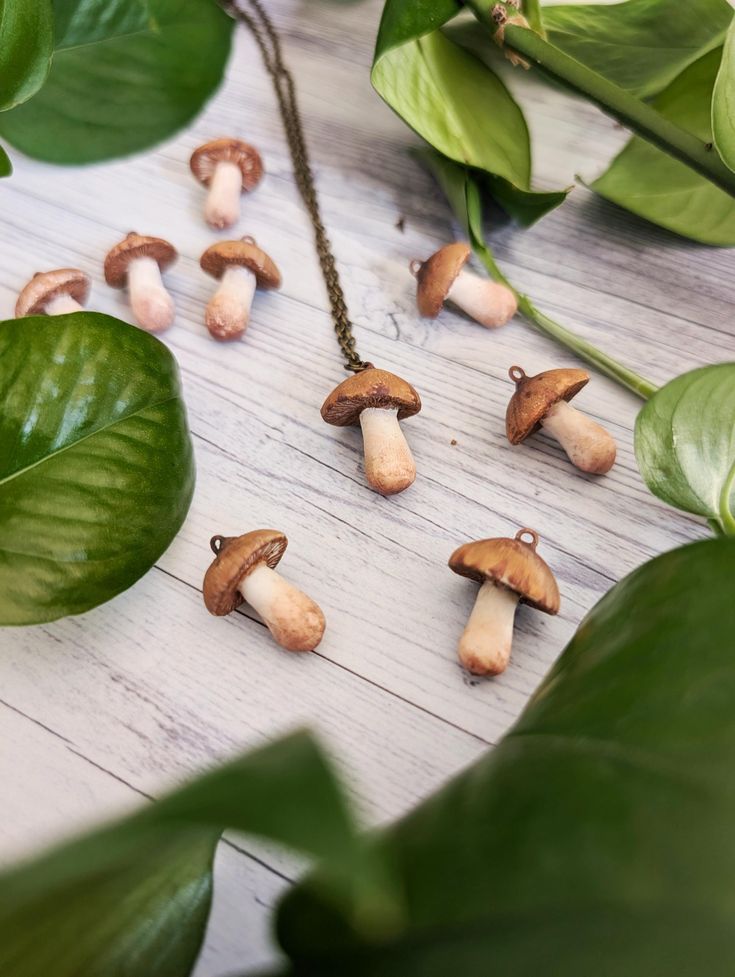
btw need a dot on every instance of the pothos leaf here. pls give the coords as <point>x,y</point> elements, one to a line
<point>459,106</point>
<point>641,45</point>
<point>723,102</point>
<point>133,898</point>
<point>596,835</point>
<point>26,46</point>
<point>652,184</point>
<point>126,75</point>
<point>6,167</point>
<point>685,444</point>
<point>96,464</point>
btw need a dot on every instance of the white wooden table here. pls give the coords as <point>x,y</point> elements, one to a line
<point>100,712</point>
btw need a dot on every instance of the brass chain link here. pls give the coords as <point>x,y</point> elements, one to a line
<point>264,33</point>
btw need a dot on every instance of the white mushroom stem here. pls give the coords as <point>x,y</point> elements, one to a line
<point>61,305</point>
<point>589,446</point>
<point>484,648</point>
<point>389,464</point>
<point>485,301</point>
<point>229,310</point>
<point>152,306</point>
<point>222,208</point>
<point>294,620</point>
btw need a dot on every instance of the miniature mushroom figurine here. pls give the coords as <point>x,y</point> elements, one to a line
<point>378,400</point>
<point>54,293</point>
<point>227,167</point>
<point>510,571</point>
<point>241,267</point>
<point>244,569</point>
<point>137,261</point>
<point>542,401</point>
<point>444,278</point>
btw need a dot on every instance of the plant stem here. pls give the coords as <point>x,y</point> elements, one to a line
<point>560,334</point>
<point>633,113</point>
<point>532,12</point>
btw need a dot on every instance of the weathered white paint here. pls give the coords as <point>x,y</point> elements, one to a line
<point>139,694</point>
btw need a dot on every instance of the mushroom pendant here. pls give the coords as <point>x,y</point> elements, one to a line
<point>241,267</point>
<point>377,400</point>
<point>542,401</point>
<point>510,572</point>
<point>137,261</point>
<point>56,292</point>
<point>244,570</point>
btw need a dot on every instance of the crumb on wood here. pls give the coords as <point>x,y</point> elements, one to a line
<point>453,441</point>
<point>401,223</point>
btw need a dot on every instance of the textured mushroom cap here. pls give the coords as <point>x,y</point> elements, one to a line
<point>135,246</point>
<point>245,253</point>
<point>514,564</point>
<point>236,557</point>
<point>369,388</point>
<point>204,161</point>
<point>436,275</point>
<point>535,395</point>
<point>48,285</point>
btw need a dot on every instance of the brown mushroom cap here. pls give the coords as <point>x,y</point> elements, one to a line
<point>136,246</point>
<point>48,285</point>
<point>205,159</point>
<point>534,396</point>
<point>436,275</point>
<point>236,557</point>
<point>512,563</point>
<point>369,388</point>
<point>246,253</point>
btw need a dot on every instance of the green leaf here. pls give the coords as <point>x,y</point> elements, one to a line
<point>460,107</point>
<point>405,20</point>
<point>595,839</point>
<point>96,466</point>
<point>723,102</point>
<point>685,444</point>
<point>26,46</point>
<point>641,45</point>
<point>6,167</point>
<point>133,898</point>
<point>655,186</point>
<point>126,75</point>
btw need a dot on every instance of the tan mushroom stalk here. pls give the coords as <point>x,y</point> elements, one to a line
<point>241,266</point>
<point>377,401</point>
<point>137,261</point>
<point>444,278</point>
<point>542,401</point>
<point>228,167</point>
<point>244,570</point>
<point>509,571</point>
<point>54,293</point>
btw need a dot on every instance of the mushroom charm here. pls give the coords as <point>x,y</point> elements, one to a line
<point>137,261</point>
<point>241,267</point>
<point>54,293</point>
<point>227,167</point>
<point>510,572</point>
<point>542,401</point>
<point>244,569</point>
<point>377,401</point>
<point>443,278</point>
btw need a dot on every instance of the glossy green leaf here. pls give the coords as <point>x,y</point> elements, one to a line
<point>641,45</point>
<point>459,106</point>
<point>126,75</point>
<point>133,898</point>
<point>405,20</point>
<point>723,102</point>
<point>96,467</point>
<point>685,444</point>
<point>596,838</point>
<point>655,186</point>
<point>26,46</point>
<point>6,167</point>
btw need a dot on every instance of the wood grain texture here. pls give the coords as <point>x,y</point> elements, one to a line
<point>100,712</point>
